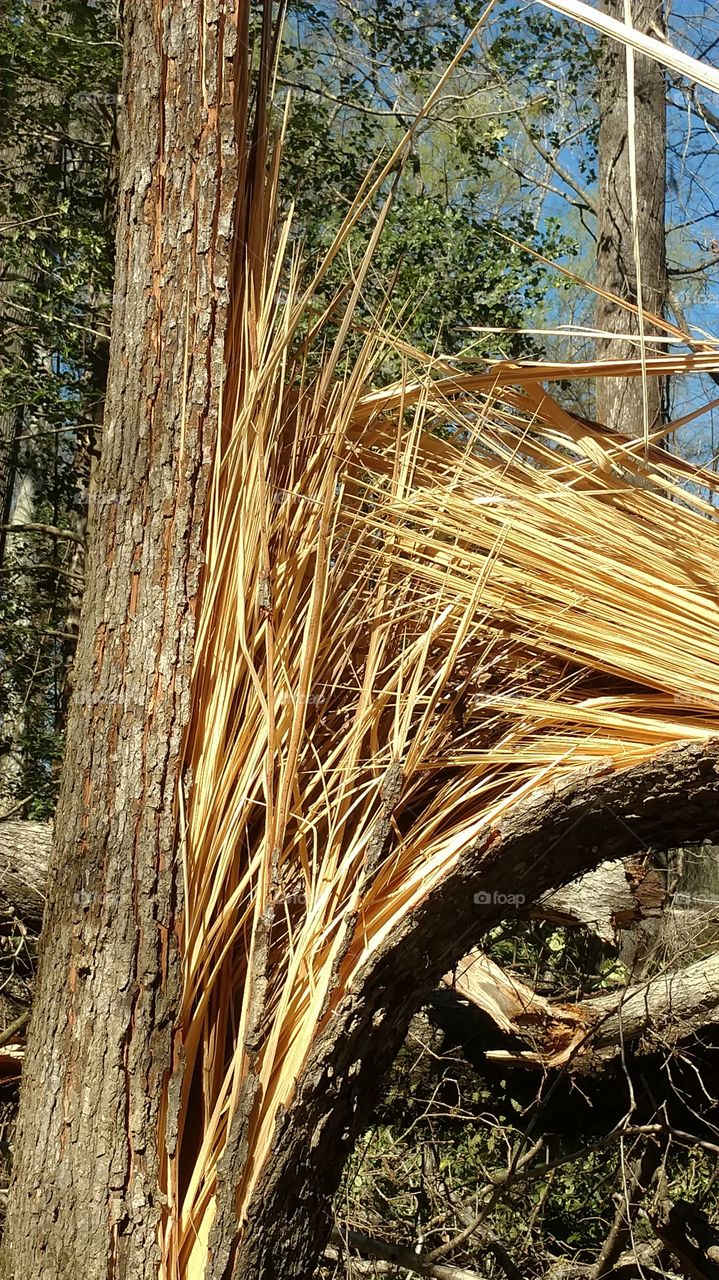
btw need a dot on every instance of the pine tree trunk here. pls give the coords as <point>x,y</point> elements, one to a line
<point>619,401</point>
<point>85,1197</point>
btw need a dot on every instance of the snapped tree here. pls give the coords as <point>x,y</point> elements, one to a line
<point>344,682</point>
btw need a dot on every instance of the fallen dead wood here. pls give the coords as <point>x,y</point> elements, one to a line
<point>24,860</point>
<point>605,900</point>
<point>554,1030</point>
<point>687,1232</point>
<point>399,1256</point>
<point>668,1006</point>
<point>608,900</point>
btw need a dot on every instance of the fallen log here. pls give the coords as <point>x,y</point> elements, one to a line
<point>609,900</point>
<point>669,1006</point>
<point>24,860</point>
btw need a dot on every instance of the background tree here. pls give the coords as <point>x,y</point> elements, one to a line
<point>631,230</point>
<point>355,78</point>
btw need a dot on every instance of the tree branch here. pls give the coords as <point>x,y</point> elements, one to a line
<point>637,1184</point>
<point>607,900</point>
<point>681,321</point>
<point>671,1005</point>
<point>49,529</point>
<point>401,1257</point>
<point>586,199</point>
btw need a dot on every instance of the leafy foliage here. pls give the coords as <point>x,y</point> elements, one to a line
<point>354,88</point>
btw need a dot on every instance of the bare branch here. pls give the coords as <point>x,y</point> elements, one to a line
<point>401,1257</point>
<point>49,529</point>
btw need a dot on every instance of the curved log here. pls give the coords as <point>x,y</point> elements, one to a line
<point>545,842</point>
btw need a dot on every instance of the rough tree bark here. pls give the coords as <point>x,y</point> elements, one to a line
<point>607,901</point>
<point>85,1199</point>
<point>619,401</point>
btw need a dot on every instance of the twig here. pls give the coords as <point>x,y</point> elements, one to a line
<point>681,321</point>
<point>620,1232</point>
<point>10,1032</point>
<point>49,529</point>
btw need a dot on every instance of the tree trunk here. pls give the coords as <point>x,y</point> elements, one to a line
<point>84,1200</point>
<point>619,401</point>
<point>87,452</point>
